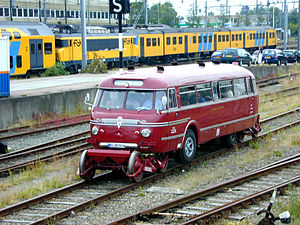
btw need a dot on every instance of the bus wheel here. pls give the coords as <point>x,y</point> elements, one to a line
<point>187,153</point>
<point>231,140</point>
<point>135,166</point>
<point>85,164</point>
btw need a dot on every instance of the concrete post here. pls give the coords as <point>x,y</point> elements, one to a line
<point>83,34</point>
<point>285,38</point>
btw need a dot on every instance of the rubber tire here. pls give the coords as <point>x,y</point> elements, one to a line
<point>286,62</point>
<point>187,153</point>
<point>241,63</point>
<point>134,155</point>
<point>82,166</point>
<point>279,62</point>
<point>231,140</point>
<point>249,64</point>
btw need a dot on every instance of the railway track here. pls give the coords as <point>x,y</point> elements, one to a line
<point>220,200</point>
<point>273,81</point>
<point>69,200</point>
<point>269,97</point>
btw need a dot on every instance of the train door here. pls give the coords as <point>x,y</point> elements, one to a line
<point>267,39</point>
<point>215,42</point>
<point>186,44</point>
<point>142,47</point>
<point>36,53</point>
<point>71,50</point>
<point>244,40</point>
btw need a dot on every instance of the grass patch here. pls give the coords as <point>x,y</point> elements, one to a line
<point>57,70</point>
<point>96,66</point>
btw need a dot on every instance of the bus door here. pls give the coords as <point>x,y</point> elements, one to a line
<point>175,133</point>
<point>251,91</point>
<point>36,53</point>
<point>142,47</point>
<point>244,40</point>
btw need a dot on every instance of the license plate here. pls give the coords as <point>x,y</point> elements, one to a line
<point>217,57</point>
<point>116,145</point>
<point>228,55</point>
<point>268,57</point>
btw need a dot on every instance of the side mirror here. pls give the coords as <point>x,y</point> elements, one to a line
<point>164,101</point>
<point>87,100</point>
<point>285,217</point>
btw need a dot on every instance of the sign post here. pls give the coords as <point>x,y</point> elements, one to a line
<point>119,7</point>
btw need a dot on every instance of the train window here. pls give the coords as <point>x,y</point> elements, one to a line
<point>153,41</point>
<point>263,35</point>
<point>6,11</point>
<point>172,98</point>
<point>215,90</point>
<point>210,39</point>
<point>25,12</point>
<point>236,37</point>
<point>270,35</point>
<point>77,14</point>
<point>17,35</point>
<point>205,39</point>
<point>48,48</point>
<point>158,41</point>
<point>239,87</point>
<point>180,40</point>
<point>226,89</point>
<point>232,38</point>
<point>251,36</point>
<point>148,42</point>
<point>187,95</point>
<point>39,48</point>
<point>200,39</point>
<point>174,40</point>
<point>14,11</point>
<point>204,92</point>
<point>223,38</point>
<point>219,38</point>
<point>168,40</point>
<point>61,43</point>
<point>19,61</point>
<point>240,37</point>
<point>1,12</point>
<point>194,39</point>
<point>99,15</point>
<point>227,37</point>
<point>6,34</point>
<point>249,85</point>
<point>11,62</point>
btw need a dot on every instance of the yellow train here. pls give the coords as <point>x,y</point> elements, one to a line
<point>34,47</point>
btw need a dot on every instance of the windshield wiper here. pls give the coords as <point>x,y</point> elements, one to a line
<point>142,108</point>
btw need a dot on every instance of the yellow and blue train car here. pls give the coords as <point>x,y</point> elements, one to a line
<point>99,46</point>
<point>32,47</point>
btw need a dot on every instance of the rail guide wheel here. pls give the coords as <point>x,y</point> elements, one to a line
<point>84,165</point>
<point>135,166</point>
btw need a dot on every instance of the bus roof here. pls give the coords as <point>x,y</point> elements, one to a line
<point>173,76</point>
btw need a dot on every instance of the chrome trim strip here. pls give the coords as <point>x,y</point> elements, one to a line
<point>172,137</point>
<point>229,122</point>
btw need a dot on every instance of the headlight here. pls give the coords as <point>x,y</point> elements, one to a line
<point>95,131</point>
<point>146,133</point>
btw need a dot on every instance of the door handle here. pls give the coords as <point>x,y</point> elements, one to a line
<point>177,115</point>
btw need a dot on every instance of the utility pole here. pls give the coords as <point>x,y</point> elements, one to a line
<point>88,14</point>
<point>66,16</point>
<point>268,13</point>
<point>273,16</point>
<point>206,19</point>
<point>11,5</point>
<point>40,17</point>
<point>83,34</point>
<point>45,12</point>
<point>285,38</point>
<point>158,12</point>
<point>146,13</point>
<point>196,8</point>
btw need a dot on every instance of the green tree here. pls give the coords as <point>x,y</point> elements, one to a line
<point>223,18</point>
<point>293,22</point>
<point>163,14</point>
<point>137,12</point>
<point>193,18</point>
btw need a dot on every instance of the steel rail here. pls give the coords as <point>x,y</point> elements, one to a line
<point>207,191</point>
<point>281,91</point>
<point>279,98</point>
<point>241,201</point>
<point>279,115</point>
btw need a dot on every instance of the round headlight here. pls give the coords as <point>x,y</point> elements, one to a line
<point>146,133</point>
<point>95,131</point>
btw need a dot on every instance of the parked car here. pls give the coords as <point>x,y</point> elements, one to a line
<point>291,56</point>
<point>274,56</point>
<point>254,57</point>
<point>216,56</point>
<point>239,55</point>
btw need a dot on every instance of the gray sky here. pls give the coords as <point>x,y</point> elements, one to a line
<point>182,6</point>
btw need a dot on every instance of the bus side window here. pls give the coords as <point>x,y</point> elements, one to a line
<point>172,98</point>
<point>226,89</point>
<point>249,85</point>
<point>215,90</point>
<point>204,92</point>
<point>187,95</point>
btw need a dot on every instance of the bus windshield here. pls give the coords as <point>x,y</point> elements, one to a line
<point>132,99</point>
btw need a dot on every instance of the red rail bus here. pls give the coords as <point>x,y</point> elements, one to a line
<point>141,118</point>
